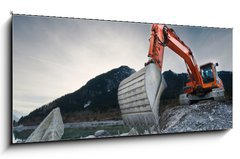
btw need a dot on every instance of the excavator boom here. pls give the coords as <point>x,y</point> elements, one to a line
<point>162,36</point>
<point>139,95</point>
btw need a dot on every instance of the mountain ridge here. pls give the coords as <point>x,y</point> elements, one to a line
<point>97,99</point>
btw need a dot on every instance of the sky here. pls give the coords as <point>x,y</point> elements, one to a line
<point>56,56</point>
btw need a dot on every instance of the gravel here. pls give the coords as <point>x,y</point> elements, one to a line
<point>207,116</point>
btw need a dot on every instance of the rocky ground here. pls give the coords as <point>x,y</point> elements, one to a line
<point>210,115</point>
<point>205,116</point>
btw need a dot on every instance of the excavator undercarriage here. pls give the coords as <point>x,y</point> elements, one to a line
<point>216,94</point>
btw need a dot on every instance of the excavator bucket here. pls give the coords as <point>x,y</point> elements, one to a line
<point>139,97</point>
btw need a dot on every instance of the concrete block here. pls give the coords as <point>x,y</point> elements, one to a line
<point>50,129</point>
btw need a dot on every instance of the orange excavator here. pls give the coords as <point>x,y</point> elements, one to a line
<point>139,95</point>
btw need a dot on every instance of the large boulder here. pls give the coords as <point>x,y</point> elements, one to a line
<point>50,129</point>
<point>133,132</point>
<point>102,133</point>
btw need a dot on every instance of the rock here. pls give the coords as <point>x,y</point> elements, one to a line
<point>153,130</point>
<point>124,134</point>
<point>50,129</point>
<point>102,133</point>
<point>211,118</point>
<point>205,116</point>
<point>90,137</point>
<point>133,132</point>
<point>146,132</point>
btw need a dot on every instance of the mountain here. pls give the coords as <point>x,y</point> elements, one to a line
<point>15,118</point>
<point>226,77</point>
<point>17,115</point>
<point>97,99</point>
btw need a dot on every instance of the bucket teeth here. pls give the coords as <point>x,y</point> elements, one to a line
<point>139,97</point>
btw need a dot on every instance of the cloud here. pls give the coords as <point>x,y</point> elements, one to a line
<point>56,56</point>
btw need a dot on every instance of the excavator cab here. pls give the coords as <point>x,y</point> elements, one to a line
<point>210,76</point>
<point>208,73</point>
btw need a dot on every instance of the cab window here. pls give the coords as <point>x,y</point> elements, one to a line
<point>207,74</point>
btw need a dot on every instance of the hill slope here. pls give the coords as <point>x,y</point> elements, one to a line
<point>96,100</point>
